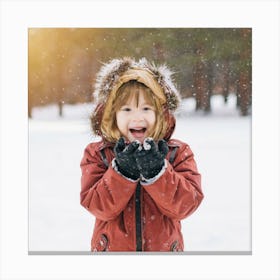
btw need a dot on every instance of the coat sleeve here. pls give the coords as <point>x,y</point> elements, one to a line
<point>104,192</point>
<point>177,193</point>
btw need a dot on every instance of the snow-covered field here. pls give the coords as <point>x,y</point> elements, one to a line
<point>220,141</point>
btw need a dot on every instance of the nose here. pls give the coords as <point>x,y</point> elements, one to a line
<point>137,115</point>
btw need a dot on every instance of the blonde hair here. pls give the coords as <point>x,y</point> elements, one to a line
<point>127,92</point>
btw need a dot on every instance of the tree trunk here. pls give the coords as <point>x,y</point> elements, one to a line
<point>29,111</point>
<point>203,86</point>
<point>60,108</point>
<point>244,93</point>
<point>226,81</point>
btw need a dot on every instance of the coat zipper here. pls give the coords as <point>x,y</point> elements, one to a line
<point>138,222</point>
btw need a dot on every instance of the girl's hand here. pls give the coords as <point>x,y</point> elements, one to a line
<point>150,159</point>
<point>125,158</point>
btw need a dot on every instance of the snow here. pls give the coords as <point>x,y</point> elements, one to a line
<point>221,142</point>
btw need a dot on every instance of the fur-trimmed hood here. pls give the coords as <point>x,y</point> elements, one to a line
<point>118,71</point>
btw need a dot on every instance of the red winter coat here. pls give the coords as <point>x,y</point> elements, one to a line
<point>132,217</point>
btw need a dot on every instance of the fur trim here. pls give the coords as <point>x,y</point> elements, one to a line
<point>110,73</point>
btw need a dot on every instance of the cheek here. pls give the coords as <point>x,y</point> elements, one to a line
<point>152,118</point>
<point>120,120</point>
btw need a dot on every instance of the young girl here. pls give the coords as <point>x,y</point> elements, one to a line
<point>136,181</point>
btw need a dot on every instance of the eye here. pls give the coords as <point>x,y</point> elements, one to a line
<point>147,108</point>
<point>126,109</point>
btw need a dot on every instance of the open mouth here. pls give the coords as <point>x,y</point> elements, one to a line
<point>138,132</point>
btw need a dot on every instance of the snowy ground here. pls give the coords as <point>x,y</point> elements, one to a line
<point>221,143</point>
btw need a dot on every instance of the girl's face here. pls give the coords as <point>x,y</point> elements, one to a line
<point>136,119</point>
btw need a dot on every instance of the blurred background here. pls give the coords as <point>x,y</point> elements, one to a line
<point>213,73</point>
<point>62,62</point>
